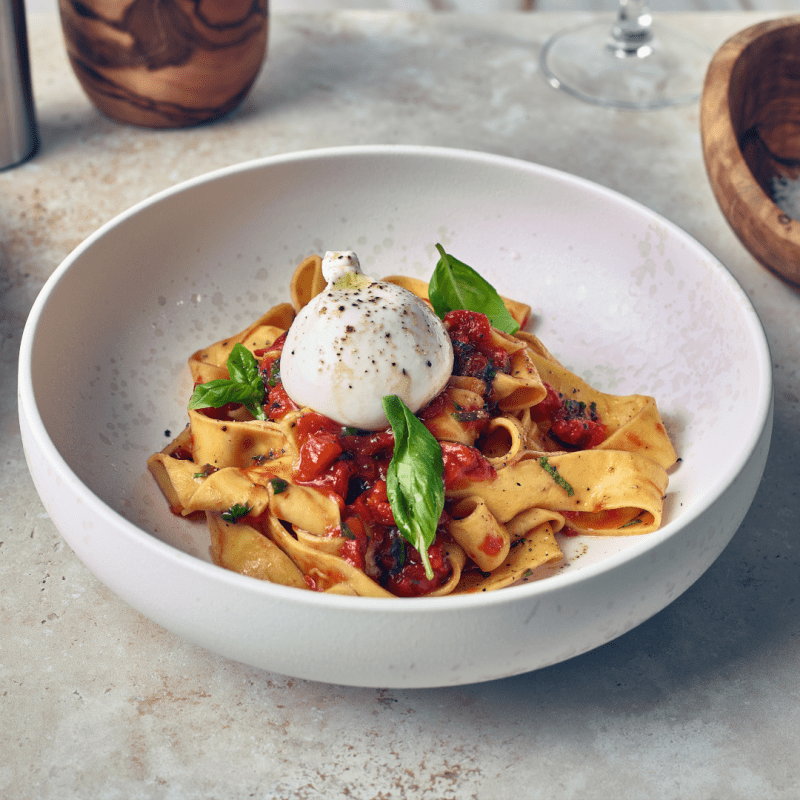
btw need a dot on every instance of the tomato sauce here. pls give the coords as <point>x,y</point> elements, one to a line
<point>463,463</point>
<point>475,353</point>
<point>474,418</point>
<point>491,545</point>
<point>354,548</point>
<point>351,465</point>
<point>573,424</point>
<point>182,454</point>
<point>400,568</point>
<point>277,402</point>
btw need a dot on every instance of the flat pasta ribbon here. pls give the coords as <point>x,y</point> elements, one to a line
<point>632,422</point>
<point>602,490</point>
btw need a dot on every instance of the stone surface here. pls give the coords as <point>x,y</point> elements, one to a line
<point>702,701</point>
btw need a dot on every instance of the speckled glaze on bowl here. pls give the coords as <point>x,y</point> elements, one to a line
<point>622,296</point>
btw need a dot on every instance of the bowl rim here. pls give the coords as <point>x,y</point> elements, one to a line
<point>31,419</point>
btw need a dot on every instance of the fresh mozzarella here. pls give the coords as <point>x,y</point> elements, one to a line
<point>359,340</point>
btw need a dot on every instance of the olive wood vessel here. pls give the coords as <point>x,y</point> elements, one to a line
<point>165,63</point>
<point>750,126</point>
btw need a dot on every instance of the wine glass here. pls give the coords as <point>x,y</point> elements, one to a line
<point>635,64</point>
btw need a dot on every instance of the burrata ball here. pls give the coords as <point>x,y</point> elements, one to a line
<point>359,340</point>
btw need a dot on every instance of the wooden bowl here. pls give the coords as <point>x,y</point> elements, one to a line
<point>750,126</point>
<point>165,63</point>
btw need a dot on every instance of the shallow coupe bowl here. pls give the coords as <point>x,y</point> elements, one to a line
<point>622,296</point>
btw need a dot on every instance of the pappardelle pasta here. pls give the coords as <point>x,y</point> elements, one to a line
<point>529,453</point>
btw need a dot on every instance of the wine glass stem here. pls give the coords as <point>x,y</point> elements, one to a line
<point>632,33</point>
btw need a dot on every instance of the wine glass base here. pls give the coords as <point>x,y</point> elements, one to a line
<point>587,63</point>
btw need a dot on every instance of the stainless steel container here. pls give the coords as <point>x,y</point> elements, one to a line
<point>18,136</point>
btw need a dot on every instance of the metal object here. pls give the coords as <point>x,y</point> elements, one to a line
<point>18,136</point>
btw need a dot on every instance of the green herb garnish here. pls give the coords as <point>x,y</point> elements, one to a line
<point>634,521</point>
<point>454,285</point>
<point>347,533</point>
<point>245,385</point>
<point>235,512</point>
<point>414,480</point>
<point>274,373</point>
<point>469,416</point>
<point>279,485</point>
<point>553,473</point>
<point>574,408</point>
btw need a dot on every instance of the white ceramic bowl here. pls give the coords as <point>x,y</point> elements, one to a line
<point>619,294</point>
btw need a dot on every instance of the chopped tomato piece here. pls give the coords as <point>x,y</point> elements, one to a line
<point>572,423</point>
<point>333,481</point>
<point>358,508</point>
<point>491,544</point>
<point>279,403</point>
<point>547,409</point>
<point>475,353</point>
<point>355,543</point>
<point>441,404</point>
<point>313,423</point>
<point>463,463</point>
<point>317,453</point>
<point>274,349</point>
<point>581,433</point>
<point>410,579</point>
<point>364,445</point>
<point>378,504</point>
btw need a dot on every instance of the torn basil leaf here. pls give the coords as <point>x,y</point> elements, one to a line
<point>454,285</point>
<point>244,386</point>
<point>414,480</point>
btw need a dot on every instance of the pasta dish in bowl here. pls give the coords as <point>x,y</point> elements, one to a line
<point>525,448</point>
<point>617,310</point>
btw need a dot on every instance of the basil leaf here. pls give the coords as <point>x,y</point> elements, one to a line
<point>454,285</point>
<point>243,367</point>
<point>235,512</point>
<point>220,392</point>
<point>245,385</point>
<point>414,480</point>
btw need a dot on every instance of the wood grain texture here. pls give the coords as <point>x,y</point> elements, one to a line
<point>750,125</point>
<point>165,63</point>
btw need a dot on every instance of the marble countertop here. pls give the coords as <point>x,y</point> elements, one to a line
<point>702,701</point>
